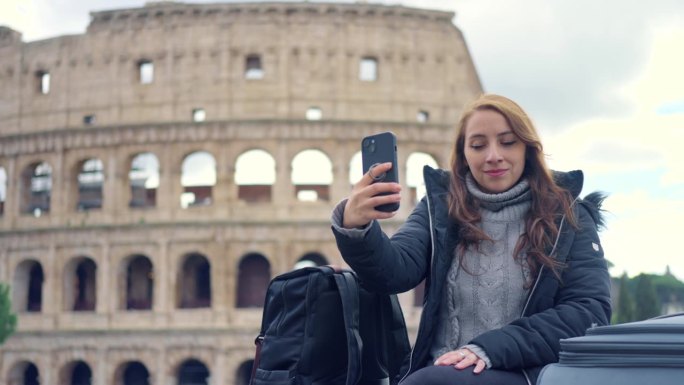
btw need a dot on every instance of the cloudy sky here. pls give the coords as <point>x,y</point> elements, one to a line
<point>603,80</point>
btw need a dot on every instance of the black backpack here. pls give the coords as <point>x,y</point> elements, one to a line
<point>320,327</point>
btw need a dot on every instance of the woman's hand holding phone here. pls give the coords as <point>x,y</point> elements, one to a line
<point>365,197</point>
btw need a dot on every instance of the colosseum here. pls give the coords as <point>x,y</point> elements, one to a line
<point>159,169</point>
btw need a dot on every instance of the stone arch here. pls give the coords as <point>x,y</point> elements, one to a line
<point>414,173</point>
<point>254,68</point>
<point>312,175</point>
<point>355,168</point>
<point>254,274</point>
<point>3,189</point>
<point>136,283</point>
<point>255,174</point>
<point>143,178</point>
<point>311,259</point>
<point>244,372</point>
<point>80,284</point>
<point>35,188</point>
<point>90,182</point>
<point>132,373</point>
<point>198,178</point>
<point>27,288</point>
<point>23,373</point>
<point>76,373</point>
<point>193,372</point>
<point>194,282</point>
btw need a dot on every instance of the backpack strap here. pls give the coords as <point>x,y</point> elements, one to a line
<point>349,294</point>
<point>258,342</point>
<point>398,343</point>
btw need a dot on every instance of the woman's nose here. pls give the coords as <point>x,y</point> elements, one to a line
<point>493,155</point>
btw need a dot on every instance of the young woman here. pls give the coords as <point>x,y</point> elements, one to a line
<point>509,253</point>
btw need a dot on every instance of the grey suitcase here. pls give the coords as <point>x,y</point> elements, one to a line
<point>644,353</point>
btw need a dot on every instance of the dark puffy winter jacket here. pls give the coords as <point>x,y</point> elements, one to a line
<point>424,246</point>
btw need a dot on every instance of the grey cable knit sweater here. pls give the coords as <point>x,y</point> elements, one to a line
<point>488,291</point>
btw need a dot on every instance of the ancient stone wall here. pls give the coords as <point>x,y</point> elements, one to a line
<point>115,277</point>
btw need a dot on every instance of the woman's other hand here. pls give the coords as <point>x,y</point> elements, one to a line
<point>461,359</point>
<point>360,208</point>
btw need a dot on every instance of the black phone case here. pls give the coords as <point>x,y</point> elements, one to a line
<point>381,148</point>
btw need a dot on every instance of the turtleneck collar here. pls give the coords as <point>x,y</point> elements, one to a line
<point>517,194</point>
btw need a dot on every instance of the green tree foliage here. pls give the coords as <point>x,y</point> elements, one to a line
<point>624,311</point>
<point>8,320</point>
<point>646,298</point>
<point>668,287</point>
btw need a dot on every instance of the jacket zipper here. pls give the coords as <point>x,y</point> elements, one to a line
<point>432,259</point>
<point>536,282</point>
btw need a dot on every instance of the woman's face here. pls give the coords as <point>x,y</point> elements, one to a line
<point>494,154</point>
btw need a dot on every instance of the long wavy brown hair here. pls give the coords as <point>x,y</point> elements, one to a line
<point>549,201</point>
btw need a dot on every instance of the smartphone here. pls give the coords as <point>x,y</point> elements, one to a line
<point>381,148</point>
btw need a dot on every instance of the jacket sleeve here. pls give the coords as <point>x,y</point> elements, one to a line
<point>579,301</point>
<point>390,265</point>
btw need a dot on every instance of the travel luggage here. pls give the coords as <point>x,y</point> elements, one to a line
<point>643,353</point>
<point>321,327</point>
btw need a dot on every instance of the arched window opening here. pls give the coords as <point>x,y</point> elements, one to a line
<point>3,190</point>
<point>244,372</point>
<point>253,67</point>
<point>139,283</point>
<point>193,372</point>
<point>198,178</point>
<point>314,113</point>
<point>312,259</point>
<point>35,288</point>
<point>254,274</point>
<point>312,176</point>
<point>145,71</point>
<point>355,168</point>
<point>144,180</point>
<point>368,69</point>
<point>43,81</point>
<point>80,285</point>
<point>35,189</point>
<point>255,174</point>
<point>27,288</point>
<point>414,173</point>
<point>422,116</point>
<point>195,282</point>
<point>81,374</point>
<point>90,182</point>
<point>135,373</point>
<point>23,373</point>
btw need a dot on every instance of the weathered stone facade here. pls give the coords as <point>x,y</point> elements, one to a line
<point>101,269</point>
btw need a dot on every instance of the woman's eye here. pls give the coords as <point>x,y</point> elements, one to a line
<point>509,143</point>
<point>477,146</point>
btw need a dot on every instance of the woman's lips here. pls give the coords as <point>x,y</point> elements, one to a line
<point>498,172</point>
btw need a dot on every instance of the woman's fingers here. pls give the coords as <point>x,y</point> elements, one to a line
<point>452,357</point>
<point>360,210</point>
<point>479,367</point>
<point>461,359</point>
<point>360,207</point>
<point>375,172</point>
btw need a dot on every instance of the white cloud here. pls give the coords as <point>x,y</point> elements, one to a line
<point>642,234</point>
<point>638,157</point>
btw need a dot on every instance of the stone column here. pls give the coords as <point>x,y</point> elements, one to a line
<point>169,181</point>
<point>12,193</point>
<point>58,192</point>
<point>283,189</point>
